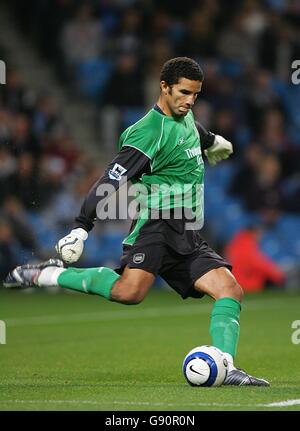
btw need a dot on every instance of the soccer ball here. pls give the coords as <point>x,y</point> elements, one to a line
<point>205,366</point>
<point>70,249</point>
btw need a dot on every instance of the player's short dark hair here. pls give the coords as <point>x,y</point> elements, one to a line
<point>181,67</point>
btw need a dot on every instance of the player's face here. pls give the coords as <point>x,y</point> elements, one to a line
<point>179,98</point>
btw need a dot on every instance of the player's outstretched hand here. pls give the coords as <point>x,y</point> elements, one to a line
<point>70,247</point>
<point>220,150</point>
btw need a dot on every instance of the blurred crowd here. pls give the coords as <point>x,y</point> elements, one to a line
<point>40,166</point>
<point>110,52</point>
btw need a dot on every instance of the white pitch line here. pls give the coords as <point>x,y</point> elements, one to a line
<point>181,310</point>
<point>286,403</point>
<point>127,403</point>
<point>110,315</point>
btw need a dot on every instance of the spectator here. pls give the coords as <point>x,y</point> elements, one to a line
<point>246,171</point>
<point>81,38</point>
<point>14,93</point>
<point>275,139</point>
<point>52,172</point>
<point>224,123</point>
<point>16,215</point>
<point>23,183</point>
<point>81,44</point>
<point>260,97</point>
<point>22,138</point>
<point>159,52</point>
<point>7,252</point>
<point>251,267</point>
<point>278,46</point>
<point>200,39</point>
<point>6,118</point>
<point>129,37</point>
<point>236,43</point>
<point>45,116</point>
<point>125,87</point>
<point>262,188</point>
<point>61,144</point>
<point>160,25</point>
<point>59,212</point>
<point>8,166</point>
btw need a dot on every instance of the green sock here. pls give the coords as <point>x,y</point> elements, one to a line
<point>95,281</point>
<point>225,326</point>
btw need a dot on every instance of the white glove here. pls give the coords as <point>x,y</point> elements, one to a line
<point>70,247</point>
<point>220,150</point>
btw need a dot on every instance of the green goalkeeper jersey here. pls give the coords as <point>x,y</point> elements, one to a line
<point>177,169</point>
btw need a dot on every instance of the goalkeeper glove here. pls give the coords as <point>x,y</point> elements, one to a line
<point>70,247</point>
<point>220,150</point>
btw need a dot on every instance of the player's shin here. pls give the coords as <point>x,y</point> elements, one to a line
<point>225,326</point>
<point>95,281</point>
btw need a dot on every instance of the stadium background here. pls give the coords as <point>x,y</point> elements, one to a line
<point>79,72</point>
<point>74,80</point>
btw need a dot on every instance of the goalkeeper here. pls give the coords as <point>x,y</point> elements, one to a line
<point>161,152</point>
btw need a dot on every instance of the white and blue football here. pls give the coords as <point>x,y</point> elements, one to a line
<point>205,366</point>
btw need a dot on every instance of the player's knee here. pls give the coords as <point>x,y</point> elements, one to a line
<point>127,293</point>
<point>134,296</point>
<point>232,289</point>
<point>241,293</point>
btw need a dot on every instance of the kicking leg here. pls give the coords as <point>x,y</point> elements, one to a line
<point>129,288</point>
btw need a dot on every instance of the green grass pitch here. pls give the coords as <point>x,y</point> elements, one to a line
<point>70,351</point>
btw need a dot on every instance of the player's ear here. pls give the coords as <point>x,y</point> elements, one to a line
<point>164,87</point>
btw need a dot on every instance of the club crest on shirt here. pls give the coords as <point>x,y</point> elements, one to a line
<point>181,141</point>
<point>116,172</point>
<point>138,257</point>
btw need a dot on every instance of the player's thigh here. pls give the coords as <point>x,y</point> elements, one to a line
<point>140,278</point>
<point>132,286</point>
<point>185,271</point>
<point>219,283</point>
<point>176,271</point>
<point>212,275</point>
<point>140,263</point>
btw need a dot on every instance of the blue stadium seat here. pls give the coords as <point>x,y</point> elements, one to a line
<point>230,68</point>
<point>92,76</point>
<point>103,248</point>
<point>221,175</point>
<point>270,244</point>
<point>131,115</point>
<point>289,225</point>
<point>288,232</point>
<point>233,219</point>
<point>276,246</point>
